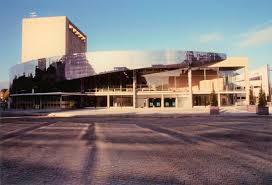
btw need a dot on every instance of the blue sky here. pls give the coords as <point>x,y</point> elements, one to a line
<point>236,27</point>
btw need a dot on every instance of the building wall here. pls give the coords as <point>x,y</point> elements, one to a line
<point>257,78</point>
<point>199,83</point>
<point>182,81</point>
<point>43,37</point>
<point>50,36</point>
<point>76,41</point>
<point>260,78</point>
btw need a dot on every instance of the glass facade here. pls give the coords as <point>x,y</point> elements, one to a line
<point>164,79</point>
<point>50,74</point>
<point>103,70</point>
<point>91,76</point>
<point>107,61</point>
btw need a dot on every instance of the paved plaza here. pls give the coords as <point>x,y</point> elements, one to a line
<point>135,149</point>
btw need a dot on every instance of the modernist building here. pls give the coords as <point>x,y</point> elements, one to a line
<point>67,76</point>
<point>258,78</point>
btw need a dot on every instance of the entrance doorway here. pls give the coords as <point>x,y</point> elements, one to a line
<point>154,102</point>
<point>201,100</point>
<point>170,102</point>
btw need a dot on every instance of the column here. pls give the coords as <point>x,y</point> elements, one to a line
<point>205,74</point>
<point>40,102</point>
<point>9,102</point>
<point>162,101</point>
<point>176,101</point>
<point>218,99</point>
<point>217,71</point>
<point>81,85</point>
<point>134,89</point>
<point>190,88</point>
<point>175,83</point>
<point>33,102</point>
<point>218,89</point>
<point>108,101</point>
<point>246,84</point>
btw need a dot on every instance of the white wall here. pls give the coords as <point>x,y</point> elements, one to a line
<point>43,37</point>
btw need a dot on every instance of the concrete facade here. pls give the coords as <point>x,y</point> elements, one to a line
<point>50,36</point>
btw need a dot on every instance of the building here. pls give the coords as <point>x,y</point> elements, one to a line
<point>258,78</point>
<point>51,36</point>
<point>139,79</point>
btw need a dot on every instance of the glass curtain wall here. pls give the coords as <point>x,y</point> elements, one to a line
<point>164,80</point>
<point>48,74</point>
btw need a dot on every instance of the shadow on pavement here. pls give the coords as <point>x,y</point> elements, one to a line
<point>17,172</point>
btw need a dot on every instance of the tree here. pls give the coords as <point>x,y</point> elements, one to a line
<point>262,98</point>
<point>213,99</point>
<point>5,93</point>
<point>251,97</point>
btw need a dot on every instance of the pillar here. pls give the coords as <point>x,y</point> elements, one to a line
<point>134,84</point>
<point>175,83</point>
<point>82,85</point>
<point>218,89</point>
<point>41,102</point>
<point>33,101</point>
<point>218,99</point>
<point>176,101</point>
<point>190,88</point>
<point>9,102</point>
<point>162,101</point>
<point>246,84</point>
<point>108,101</point>
<point>60,100</point>
<point>205,76</point>
<point>217,71</point>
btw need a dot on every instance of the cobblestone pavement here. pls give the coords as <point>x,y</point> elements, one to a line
<point>136,150</point>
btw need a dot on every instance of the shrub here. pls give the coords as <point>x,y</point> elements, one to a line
<point>72,104</point>
<point>213,99</point>
<point>251,97</point>
<point>262,98</point>
<point>5,93</point>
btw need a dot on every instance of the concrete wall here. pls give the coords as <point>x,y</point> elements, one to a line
<point>76,41</point>
<point>50,36</point>
<point>43,37</point>
<point>257,78</point>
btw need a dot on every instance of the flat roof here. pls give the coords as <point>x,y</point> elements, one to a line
<point>49,93</point>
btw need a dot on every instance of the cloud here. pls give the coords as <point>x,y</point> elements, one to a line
<point>257,38</point>
<point>211,37</point>
<point>33,14</point>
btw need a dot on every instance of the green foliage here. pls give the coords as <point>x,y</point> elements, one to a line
<point>72,104</point>
<point>213,99</point>
<point>262,98</point>
<point>251,97</point>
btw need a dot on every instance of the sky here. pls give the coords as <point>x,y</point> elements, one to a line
<point>234,27</point>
